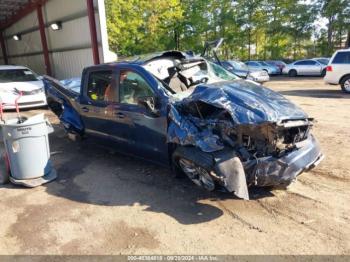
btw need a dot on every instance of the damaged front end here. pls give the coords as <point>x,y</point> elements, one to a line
<point>254,139</point>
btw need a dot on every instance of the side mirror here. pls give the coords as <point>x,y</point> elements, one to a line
<point>149,102</point>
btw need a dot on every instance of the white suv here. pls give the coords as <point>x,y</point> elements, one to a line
<point>338,70</point>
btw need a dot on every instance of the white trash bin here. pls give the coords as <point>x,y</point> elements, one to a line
<point>28,150</point>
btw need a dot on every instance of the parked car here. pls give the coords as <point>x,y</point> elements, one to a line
<point>322,60</point>
<point>221,131</point>
<point>236,67</point>
<point>239,68</point>
<point>305,67</point>
<point>261,65</point>
<point>338,70</point>
<point>20,80</point>
<point>278,63</point>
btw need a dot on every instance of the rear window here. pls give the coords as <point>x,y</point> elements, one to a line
<point>342,58</point>
<point>17,75</point>
<point>323,61</point>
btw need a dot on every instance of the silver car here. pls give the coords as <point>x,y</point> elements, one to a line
<point>261,65</point>
<point>241,69</point>
<point>305,67</point>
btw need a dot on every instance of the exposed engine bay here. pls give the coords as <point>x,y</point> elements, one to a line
<point>268,148</point>
<point>268,139</point>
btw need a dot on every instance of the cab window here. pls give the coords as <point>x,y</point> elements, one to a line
<point>132,86</point>
<point>100,86</point>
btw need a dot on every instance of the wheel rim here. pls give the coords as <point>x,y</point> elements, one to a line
<point>197,174</point>
<point>347,85</point>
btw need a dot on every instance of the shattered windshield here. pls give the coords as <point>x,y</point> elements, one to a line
<point>221,72</point>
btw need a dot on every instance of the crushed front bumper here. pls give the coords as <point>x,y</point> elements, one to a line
<point>271,171</point>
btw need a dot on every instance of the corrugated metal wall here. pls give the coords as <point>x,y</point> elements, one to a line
<point>70,48</point>
<point>27,51</point>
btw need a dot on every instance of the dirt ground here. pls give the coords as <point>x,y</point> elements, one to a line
<point>106,203</point>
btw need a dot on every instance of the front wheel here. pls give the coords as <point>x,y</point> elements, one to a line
<point>345,84</point>
<point>55,107</point>
<point>196,165</point>
<point>197,174</point>
<point>292,73</point>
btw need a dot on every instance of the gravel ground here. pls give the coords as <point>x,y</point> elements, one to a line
<point>106,203</point>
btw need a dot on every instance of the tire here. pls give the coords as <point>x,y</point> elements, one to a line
<point>73,136</point>
<point>196,165</point>
<point>292,73</point>
<point>345,84</point>
<point>323,73</point>
<point>55,107</point>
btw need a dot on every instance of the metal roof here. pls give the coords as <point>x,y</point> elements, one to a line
<point>13,10</point>
<point>8,8</point>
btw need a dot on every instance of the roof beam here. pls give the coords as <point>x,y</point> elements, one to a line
<point>3,48</point>
<point>43,39</point>
<point>93,32</point>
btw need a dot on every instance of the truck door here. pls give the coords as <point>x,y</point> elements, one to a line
<point>146,136</point>
<point>99,85</point>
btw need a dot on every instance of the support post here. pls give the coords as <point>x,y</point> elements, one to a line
<point>43,40</point>
<point>93,33</point>
<point>3,48</point>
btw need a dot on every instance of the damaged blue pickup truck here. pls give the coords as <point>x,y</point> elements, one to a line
<point>190,114</point>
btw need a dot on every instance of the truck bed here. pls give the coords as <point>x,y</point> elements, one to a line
<point>69,88</point>
<point>63,98</point>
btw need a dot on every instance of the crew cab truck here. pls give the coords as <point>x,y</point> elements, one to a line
<point>193,116</point>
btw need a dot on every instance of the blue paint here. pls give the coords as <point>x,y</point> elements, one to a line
<point>135,130</point>
<point>247,102</point>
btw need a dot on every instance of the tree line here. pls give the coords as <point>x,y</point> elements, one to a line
<point>252,29</point>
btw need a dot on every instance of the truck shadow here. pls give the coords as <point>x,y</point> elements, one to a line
<point>88,173</point>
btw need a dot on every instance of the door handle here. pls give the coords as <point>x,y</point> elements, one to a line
<point>85,109</point>
<point>119,115</point>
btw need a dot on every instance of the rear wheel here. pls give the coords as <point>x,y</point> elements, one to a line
<point>292,73</point>
<point>196,165</point>
<point>55,107</point>
<point>323,73</point>
<point>345,84</point>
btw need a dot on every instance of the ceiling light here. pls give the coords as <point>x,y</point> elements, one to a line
<point>17,37</point>
<point>56,26</point>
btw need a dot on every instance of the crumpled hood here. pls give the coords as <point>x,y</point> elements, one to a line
<point>247,102</point>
